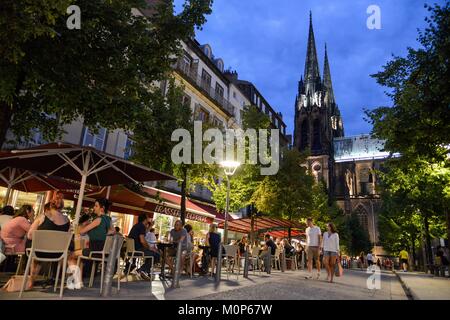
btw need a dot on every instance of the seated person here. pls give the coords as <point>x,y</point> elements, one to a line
<point>190,250</point>
<point>97,230</point>
<point>52,219</point>
<point>15,230</point>
<point>269,245</point>
<point>138,233</point>
<point>177,234</point>
<point>288,249</point>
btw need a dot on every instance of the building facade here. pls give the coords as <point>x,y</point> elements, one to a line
<point>347,165</point>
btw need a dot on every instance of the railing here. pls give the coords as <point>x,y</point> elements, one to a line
<point>192,75</point>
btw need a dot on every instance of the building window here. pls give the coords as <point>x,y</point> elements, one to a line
<point>316,135</point>
<point>234,94</point>
<point>219,91</point>
<point>201,113</point>
<point>217,123</point>
<point>254,98</point>
<point>362,216</point>
<point>95,140</point>
<point>186,100</point>
<point>206,79</point>
<point>128,152</point>
<point>304,133</point>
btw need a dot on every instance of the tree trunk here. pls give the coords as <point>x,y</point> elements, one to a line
<point>429,254</point>
<point>5,121</point>
<point>7,111</point>
<point>252,226</point>
<point>413,250</point>
<point>447,212</point>
<point>183,197</point>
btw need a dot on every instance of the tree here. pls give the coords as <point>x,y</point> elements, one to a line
<point>354,238</point>
<point>415,197</point>
<point>417,124</point>
<point>104,72</point>
<point>419,121</point>
<point>153,145</point>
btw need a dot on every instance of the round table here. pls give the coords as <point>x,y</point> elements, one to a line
<point>163,246</point>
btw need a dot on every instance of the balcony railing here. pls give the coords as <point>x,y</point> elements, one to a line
<point>192,76</point>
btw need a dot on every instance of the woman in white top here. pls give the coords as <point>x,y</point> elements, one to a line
<point>330,248</point>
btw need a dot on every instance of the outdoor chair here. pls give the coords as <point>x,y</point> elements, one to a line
<point>254,258</point>
<point>99,257</point>
<point>231,257</point>
<point>46,241</point>
<point>10,253</point>
<point>293,260</point>
<point>131,253</point>
<point>276,259</point>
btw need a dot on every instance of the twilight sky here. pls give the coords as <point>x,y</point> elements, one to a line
<point>265,42</point>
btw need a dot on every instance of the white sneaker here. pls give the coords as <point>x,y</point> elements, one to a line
<point>308,277</point>
<point>318,276</point>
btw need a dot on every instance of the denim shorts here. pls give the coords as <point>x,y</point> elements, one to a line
<point>330,254</point>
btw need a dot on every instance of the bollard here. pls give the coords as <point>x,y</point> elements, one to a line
<point>219,264</point>
<point>283,261</point>
<point>246,263</point>
<point>109,273</point>
<point>176,276</point>
<point>303,260</point>
<point>268,262</point>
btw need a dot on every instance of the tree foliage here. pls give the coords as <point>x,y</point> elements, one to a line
<point>103,72</point>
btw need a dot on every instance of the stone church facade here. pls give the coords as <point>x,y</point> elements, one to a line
<point>346,165</point>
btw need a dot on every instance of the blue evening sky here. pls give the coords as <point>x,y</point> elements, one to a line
<point>265,42</point>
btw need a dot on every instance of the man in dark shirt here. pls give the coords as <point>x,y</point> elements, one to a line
<point>137,233</point>
<point>270,245</point>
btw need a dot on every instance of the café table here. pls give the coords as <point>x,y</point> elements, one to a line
<point>205,258</point>
<point>163,247</point>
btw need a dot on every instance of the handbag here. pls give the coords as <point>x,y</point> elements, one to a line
<point>14,284</point>
<point>338,270</point>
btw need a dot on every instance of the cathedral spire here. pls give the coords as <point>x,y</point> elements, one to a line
<point>327,77</point>
<point>312,74</point>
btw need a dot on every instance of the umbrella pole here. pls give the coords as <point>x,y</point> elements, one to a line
<point>80,199</point>
<point>8,194</point>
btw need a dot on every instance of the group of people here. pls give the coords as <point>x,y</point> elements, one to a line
<point>327,244</point>
<point>17,231</point>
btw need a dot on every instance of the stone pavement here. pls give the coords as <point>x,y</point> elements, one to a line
<point>425,286</point>
<point>287,285</point>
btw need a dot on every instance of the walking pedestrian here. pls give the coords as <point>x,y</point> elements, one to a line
<point>330,248</point>
<point>369,259</point>
<point>404,259</point>
<point>313,243</point>
<point>361,260</point>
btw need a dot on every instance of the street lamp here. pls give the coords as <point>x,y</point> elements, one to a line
<point>230,168</point>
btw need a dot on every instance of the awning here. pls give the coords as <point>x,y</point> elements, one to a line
<point>79,163</point>
<point>262,224</point>
<point>170,204</point>
<point>28,181</point>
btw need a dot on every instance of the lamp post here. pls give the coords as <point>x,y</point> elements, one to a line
<point>229,168</point>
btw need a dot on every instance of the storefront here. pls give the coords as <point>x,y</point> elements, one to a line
<point>18,198</point>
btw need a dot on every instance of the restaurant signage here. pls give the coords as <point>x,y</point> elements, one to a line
<point>177,213</point>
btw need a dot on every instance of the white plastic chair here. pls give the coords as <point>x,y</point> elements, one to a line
<point>94,257</point>
<point>131,253</point>
<point>46,241</point>
<point>276,259</point>
<point>231,256</point>
<point>255,260</point>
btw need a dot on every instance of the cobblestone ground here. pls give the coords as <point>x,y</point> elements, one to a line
<point>286,285</point>
<point>294,286</point>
